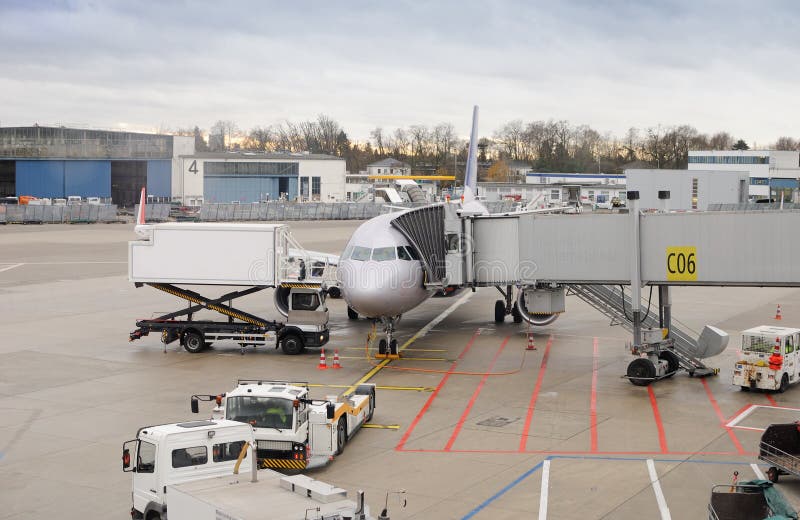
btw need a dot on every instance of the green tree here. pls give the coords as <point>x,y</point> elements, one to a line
<point>740,145</point>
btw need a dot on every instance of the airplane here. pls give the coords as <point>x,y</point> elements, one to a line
<point>381,276</point>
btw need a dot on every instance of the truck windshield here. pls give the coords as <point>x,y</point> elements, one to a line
<point>758,344</point>
<point>260,412</point>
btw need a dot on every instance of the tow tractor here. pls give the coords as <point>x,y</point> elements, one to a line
<point>768,359</point>
<point>293,431</point>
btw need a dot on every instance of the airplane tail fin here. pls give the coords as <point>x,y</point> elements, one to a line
<point>471,174</point>
<point>140,215</point>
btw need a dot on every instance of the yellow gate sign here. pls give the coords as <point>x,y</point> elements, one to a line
<point>682,264</point>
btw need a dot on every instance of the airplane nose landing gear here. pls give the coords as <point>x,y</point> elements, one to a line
<point>387,347</point>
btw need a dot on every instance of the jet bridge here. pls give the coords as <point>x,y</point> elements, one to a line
<point>543,255</point>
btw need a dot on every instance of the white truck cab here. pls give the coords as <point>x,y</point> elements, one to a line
<point>169,454</point>
<point>768,358</point>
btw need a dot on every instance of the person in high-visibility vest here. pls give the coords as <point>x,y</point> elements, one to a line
<point>275,414</point>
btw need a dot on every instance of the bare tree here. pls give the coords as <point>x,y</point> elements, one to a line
<point>377,137</point>
<point>720,141</point>
<point>786,143</point>
<point>223,132</point>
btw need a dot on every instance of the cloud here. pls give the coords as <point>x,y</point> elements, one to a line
<point>613,64</point>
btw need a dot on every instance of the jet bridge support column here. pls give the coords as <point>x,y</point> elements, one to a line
<point>664,308</point>
<point>636,268</point>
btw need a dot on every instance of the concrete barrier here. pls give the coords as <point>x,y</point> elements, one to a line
<point>77,213</point>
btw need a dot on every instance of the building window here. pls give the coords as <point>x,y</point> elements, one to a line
<point>316,187</point>
<point>694,193</point>
<point>304,187</point>
<point>555,194</point>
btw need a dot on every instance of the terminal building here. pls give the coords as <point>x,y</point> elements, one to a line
<point>771,172</point>
<point>58,162</point>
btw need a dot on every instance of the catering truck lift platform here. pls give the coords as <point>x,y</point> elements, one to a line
<point>246,257</point>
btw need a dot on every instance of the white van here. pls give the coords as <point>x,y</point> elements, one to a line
<point>73,199</point>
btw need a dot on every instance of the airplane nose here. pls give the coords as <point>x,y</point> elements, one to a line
<point>377,289</point>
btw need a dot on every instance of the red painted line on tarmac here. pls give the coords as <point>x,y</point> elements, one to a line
<point>556,452</point>
<point>542,368</point>
<point>474,398</point>
<point>772,401</point>
<point>428,403</point>
<point>722,420</point>
<point>593,405</point>
<point>662,438</point>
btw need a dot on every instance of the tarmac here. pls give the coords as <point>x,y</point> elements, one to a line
<point>468,423</point>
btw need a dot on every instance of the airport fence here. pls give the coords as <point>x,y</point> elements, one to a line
<point>272,211</point>
<point>154,212</point>
<point>755,207</point>
<point>73,214</point>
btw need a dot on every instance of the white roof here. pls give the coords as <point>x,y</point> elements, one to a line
<point>268,389</point>
<point>770,330</point>
<point>163,430</point>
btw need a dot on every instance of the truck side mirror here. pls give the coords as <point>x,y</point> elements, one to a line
<point>126,459</point>
<point>330,410</point>
<point>195,405</point>
<point>127,448</point>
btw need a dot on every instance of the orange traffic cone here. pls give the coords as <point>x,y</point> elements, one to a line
<point>778,312</point>
<point>531,342</point>
<point>336,359</point>
<point>323,364</point>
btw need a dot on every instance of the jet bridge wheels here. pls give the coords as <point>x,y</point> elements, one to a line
<point>499,311</point>
<point>516,314</point>
<point>641,372</point>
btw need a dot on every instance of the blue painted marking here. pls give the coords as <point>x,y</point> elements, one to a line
<point>537,467</point>
<point>504,490</point>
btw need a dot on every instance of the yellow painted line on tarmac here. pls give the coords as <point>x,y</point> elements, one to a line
<point>401,357</point>
<point>382,426</point>
<point>420,333</point>
<point>410,350</point>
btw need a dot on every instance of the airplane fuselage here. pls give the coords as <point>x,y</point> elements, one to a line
<point>380,274</point>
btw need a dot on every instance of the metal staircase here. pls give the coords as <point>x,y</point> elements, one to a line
<point>615,303</point>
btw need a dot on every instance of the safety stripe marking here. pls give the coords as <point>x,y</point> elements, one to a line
<point>420,333</point>
<point>662,502</point>
<point>535,396</point>
<point>474,397</point>
<point>757,471</point>
<point>730,431</point>
<point>662,437</point>
<point>382,426</point>
<point>379,387</point>
<point>428,403</point>
<point>543,494</point>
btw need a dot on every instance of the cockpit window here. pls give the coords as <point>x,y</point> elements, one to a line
<point>402,253</point>
<point>347,251</point>
<point>413,253</point>
<point>382,254</point>
<point>361,253</point>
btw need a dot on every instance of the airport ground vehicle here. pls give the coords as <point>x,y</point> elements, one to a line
<point>74,199</point>
<point>203,467</point>
<point>293,431</point>
<point>249,257</point>
<point>754,500</point>
<point>768,358</point>
<point>780,447</point>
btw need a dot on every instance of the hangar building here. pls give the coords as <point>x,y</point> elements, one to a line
<point>56,162</point>
<point>246,177</point>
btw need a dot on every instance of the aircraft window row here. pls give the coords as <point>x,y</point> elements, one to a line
<point>380,254</point>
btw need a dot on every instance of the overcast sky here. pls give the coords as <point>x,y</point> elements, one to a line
<point>726,65</point>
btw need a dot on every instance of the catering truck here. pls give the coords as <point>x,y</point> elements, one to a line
<point>244,259</point>
<point>292,431</point>
<point>204,470</point>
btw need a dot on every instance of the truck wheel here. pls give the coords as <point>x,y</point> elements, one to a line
<point>499,311</point>
<point>292,344</point>
<point>673,363</point>
<point>773,474</point>
<point>341,434</point>
<point>370,391</point>
<point>351,314</point>
<point>517,315</point>
<point>193,342</point>
<point>744,388</point>
<point>784,383</point>
<point>152,515</point>
<point>641,371</point>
